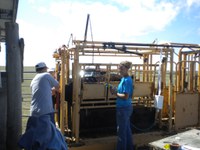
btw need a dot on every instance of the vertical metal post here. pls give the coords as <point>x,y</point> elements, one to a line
<point>14,97</point>
<point>67,75</point>
<point>191,76</point>
<point>183,71</point>
<point>62,88</point>
<point>179,72</point>
<point>198,84</point>
<point>76,94</point>
<point>170,99</point>
<point>86,28</point>
<point>3,108</point>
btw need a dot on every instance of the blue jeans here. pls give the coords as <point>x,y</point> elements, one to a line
<point>124,140</point>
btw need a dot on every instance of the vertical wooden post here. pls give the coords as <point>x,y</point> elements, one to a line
<point>3,108</point>
<point>13,69</point>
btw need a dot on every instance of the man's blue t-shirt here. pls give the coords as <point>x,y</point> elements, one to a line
<point>125,86</point>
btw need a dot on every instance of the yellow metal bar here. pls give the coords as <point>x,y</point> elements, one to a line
<point>183,70</point>
<point>151,67</point>
<point>198,83</point>
<point>191,87</point>
<point>62,89</point>
<point>179,70</point>
<point>56,109</point>
<point>170,98</point>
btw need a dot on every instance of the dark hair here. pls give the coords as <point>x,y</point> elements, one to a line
<point>40,69</point>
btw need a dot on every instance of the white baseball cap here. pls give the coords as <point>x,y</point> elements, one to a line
<point>40,65</point>
<point>51,70</point>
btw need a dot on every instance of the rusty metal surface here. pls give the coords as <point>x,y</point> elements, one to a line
<point>186,107</point>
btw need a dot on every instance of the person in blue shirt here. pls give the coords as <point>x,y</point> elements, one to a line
<point>124,109</point>
<point>41,132</point>
<point>41,87</point>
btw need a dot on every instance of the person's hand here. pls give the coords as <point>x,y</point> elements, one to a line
<point>113,90</point>
<point>53,91</point>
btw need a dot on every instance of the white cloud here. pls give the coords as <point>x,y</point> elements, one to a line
<point>117,20</point>
<point>193,2</point>
<point>42,10</point>
<point>39,43</point>
<point>111,23</point>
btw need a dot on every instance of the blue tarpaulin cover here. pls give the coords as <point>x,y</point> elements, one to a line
<point>42,134</point>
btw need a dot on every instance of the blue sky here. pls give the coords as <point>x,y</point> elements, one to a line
<point>45,25</point>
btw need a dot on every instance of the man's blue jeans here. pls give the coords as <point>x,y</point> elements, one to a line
<point>124,141</point>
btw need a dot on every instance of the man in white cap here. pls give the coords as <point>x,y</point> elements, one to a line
<point>51,71</point>
<point>41,87</point>
<point>41,132</point>
<point>55,93</point>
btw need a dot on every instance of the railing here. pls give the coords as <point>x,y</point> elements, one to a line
<point>26,96</point>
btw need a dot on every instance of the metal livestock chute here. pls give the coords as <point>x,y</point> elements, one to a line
<point>86,108</point>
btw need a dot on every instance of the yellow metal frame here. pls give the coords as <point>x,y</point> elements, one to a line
<point>143,73</point>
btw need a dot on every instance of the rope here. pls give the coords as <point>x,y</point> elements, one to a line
<point>144,130</point>
<point>92,40</point>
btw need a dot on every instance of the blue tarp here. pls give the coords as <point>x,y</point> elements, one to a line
<point>42,134</point>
